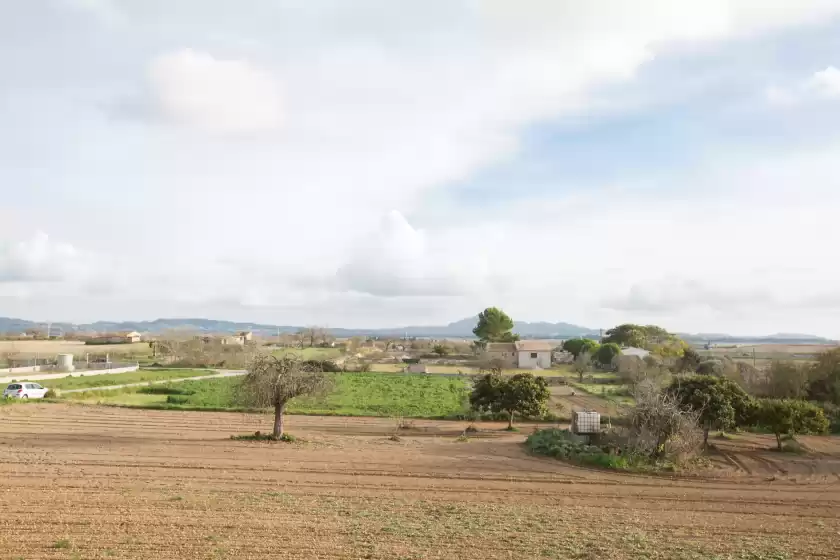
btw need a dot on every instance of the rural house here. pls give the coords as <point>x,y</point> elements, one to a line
<point>527,354</point>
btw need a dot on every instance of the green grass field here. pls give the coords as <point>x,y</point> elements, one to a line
<point>353,394</point>
<point>556,371</point>
<point>617,393</point>
<point>141,376</point>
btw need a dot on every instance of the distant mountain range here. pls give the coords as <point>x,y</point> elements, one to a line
<point>460,329</point>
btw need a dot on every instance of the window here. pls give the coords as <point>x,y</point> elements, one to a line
<point>533,355</point>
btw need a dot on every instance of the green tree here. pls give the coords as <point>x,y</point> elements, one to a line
<point>786,380</point>
<point>273,381</point>
<point>440,349</point>
<point>521,394</point>
<point>824,384</point>
<point>790,417</point>
<point>577,346</point>
<point>653,338</point>
<point>710,367</point>
<point>494,325</point>
<point>719,402</point>
<point>689,361</point>
<point>605,353</point>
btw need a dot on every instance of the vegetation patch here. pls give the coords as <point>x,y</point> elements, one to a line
<point>562,444</point>
<point>105,380</point>
<point>351,394</point>
<point>258,436</point>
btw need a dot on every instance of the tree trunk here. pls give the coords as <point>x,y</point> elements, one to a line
<point>510,420</point>
<point>279,410</point>
<point>580,374</point>
<point>779,441</point>
<point>705,436</point>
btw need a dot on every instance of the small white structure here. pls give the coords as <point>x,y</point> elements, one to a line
<point>586,422</point>
<point>64,362</point>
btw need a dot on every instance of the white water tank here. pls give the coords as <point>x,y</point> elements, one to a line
<point>64,362</point>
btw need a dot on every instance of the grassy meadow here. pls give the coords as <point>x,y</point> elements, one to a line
<point>104,380</point>
<point>352,394</point>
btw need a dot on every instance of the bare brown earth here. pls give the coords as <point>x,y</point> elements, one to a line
<point>565,399</point>
<point>99,482</point>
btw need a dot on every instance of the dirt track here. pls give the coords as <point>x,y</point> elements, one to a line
<point>115,483</point>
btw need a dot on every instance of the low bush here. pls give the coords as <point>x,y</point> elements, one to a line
<point>609,453</point>
<point>323,365</point>
<point>164,390</point>
<point>259,436</point>
<point>562,444</point>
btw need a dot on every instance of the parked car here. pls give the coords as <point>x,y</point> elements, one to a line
<point>25,391</point>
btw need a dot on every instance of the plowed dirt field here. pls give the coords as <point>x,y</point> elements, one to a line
<point>97,482</point>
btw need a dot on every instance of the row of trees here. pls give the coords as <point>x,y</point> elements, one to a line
<point>722,404</point>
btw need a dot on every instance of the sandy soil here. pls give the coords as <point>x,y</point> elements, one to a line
<point>99,482</point>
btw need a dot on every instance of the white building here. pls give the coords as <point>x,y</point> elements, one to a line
<point>533,354</point>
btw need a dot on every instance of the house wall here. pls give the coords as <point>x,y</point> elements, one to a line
<point>509,358</point>
<point>542,361</point>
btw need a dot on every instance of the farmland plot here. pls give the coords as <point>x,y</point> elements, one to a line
<point>101,482</point>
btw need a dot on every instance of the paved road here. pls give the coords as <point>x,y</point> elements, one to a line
<point>223,373</point>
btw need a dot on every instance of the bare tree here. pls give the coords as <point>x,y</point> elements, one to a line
<point>273,381</point>
<point>659,426</point>
<point>310,336</point>
<point>583,363</point>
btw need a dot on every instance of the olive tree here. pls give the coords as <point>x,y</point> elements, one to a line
<point>719,402</point>
<point>273,381</point>
<point>523,393</point>
<point>790,417</point>
<point>583,363</point>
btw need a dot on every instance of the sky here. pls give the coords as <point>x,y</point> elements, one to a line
<point>382,163</point>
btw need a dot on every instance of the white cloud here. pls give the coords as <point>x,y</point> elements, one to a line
<point>358,109</point>
<point>822,85</point>
<point>40,260</point>
<point>826,83</point>
<point>214,95</point>
<point>398,260</point>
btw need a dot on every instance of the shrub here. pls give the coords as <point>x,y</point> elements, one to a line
<point>832,413</point>
<point>259,436</point>
<point>562,444</point>
<point>51,394</point>
<point>710,367</point>
<point>322,365</point>
<point>164,390</point>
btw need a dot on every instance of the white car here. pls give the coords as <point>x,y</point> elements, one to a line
<point>25,391</point>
